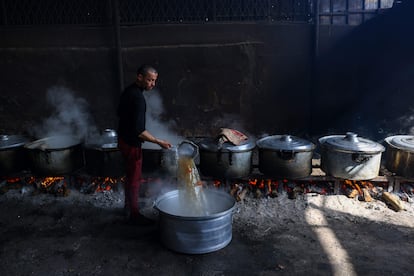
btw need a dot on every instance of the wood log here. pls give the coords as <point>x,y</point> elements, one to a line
<point>235,189</point>
<point>367,195</point>
<point>240,196</point>
<point>258,193</point>
<point>353,193</point>
<point>274,193</point>
<point>393,201</point>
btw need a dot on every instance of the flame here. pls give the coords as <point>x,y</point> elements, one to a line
<point>49,181</point>
<point>261,184</point>
<point>13,180</point>
<point>253,182</point>
<point>216,183</point>
<point>104,183</point>
<point>269,185</point>
<point>358,185</point>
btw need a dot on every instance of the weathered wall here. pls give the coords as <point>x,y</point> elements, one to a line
<point>366,77</point>
<point>247,76</point>
<point>259,78</point>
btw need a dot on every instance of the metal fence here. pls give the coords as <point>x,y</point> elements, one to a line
<point>204,11</point>
<point>133,12</point>
<point>350,12</point>
<point>54,12</point>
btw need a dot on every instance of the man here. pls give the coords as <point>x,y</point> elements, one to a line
<point>132,133</point>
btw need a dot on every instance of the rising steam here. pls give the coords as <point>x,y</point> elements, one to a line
<point>70,115</point>
<point>154,124</point>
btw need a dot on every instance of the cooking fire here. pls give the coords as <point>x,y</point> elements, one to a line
<point>240,189</point>
<point>232,162</point>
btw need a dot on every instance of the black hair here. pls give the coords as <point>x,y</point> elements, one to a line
<point>145,69</point>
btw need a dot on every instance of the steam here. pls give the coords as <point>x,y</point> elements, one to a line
<point>70,115</point>
<point>154,125</point>
<point>408,122</point>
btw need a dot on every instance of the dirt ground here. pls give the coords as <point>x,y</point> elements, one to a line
<point>85,234</point>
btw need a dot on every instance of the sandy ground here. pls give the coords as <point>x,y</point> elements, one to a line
<point>85,234</point>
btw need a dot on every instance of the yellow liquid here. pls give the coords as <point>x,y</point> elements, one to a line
<point>190,186</point>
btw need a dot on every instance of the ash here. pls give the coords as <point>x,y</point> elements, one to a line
<point>267,214</point>
<point>85,234</point>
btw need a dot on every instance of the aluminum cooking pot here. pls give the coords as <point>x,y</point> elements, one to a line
<point>183,231</point>
<point>225,160</point>
<point>12,154</point>
<point>399,155</point>
<point>164,162</point>
<point>104,159</point>
<point>55,155</point>
<point>109,136</point>
<point>285,156</point>
<point>350,157</point>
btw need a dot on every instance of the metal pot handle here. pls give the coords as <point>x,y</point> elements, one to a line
<point>47,156</point>
<point>286,155</point>
<point>361,158</point>
<point>219,161</point>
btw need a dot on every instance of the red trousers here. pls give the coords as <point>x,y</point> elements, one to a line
<point>133,165</point>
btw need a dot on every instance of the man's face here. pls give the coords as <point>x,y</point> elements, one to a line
<point>147,82</point>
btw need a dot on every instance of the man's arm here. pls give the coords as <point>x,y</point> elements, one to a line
<point>146,136</point>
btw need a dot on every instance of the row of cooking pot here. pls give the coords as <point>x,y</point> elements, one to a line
<point>344,156</point>
<point>58,155</point>
<point>64,154</point>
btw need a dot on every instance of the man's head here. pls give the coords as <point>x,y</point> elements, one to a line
<point>146,77</point>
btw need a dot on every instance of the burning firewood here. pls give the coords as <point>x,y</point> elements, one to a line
<point>240,196</point>
<point>353,193</point>
<point>376,192</point>
<point>236,189</point>
<point>258,193</point>
<point>274,193</point>
<point>367,195</point>
<point>393,201</point>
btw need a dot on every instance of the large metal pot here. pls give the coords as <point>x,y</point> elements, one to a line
<point>12,154</point>
<point>184,231</point>
<point>226,160</point>
<point>285,156</point>
<point>164,162</point>
<point>55,155</point>
<point>399,155</point>
<point>104,160</point>
<point>102,155</point>
<point>350,157</point>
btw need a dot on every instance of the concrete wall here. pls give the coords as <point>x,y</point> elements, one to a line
<point>366,77</point>
<point>248,76</point>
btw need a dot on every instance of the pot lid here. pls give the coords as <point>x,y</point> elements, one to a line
<point>351,143</point>
<point>404,142</point>
<point>102,147</point>
<point>54,142</point>
<point>11,141</point>
<point>211,144</point>
<point>285,142</point>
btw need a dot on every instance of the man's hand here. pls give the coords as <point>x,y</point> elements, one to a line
<point>146,136</point>
<point>164,144</point>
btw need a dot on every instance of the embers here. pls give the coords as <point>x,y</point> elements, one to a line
<point>56,185</point>
<point>363,190</point>
<point>87,184</point>
<point>270,188</point>
<point>59,185</point>
<point>390,190</point>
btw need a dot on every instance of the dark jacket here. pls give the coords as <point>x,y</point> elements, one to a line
<point>131,114</point>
